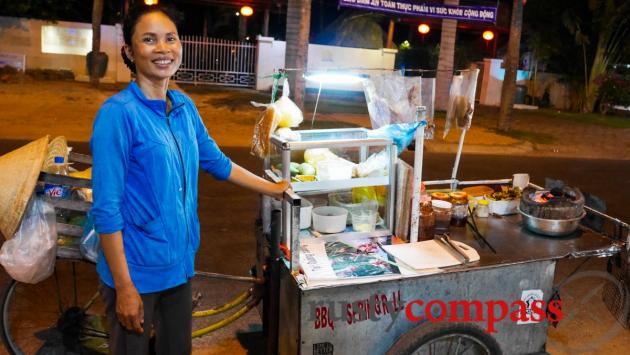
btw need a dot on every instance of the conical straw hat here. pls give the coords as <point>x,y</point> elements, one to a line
<point>19,171</point>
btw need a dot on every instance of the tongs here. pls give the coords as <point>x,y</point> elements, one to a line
<point>453,247</point>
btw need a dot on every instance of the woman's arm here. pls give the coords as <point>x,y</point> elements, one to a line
<point>129,307</point>
<point>246,179</point>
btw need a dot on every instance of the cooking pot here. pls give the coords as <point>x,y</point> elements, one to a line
<point>551,227</point>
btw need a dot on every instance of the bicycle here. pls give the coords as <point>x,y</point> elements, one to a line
<point>66,313</point>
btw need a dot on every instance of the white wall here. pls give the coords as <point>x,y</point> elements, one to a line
<point>271,58</point>
<point>492,82</point>
<point>24,36</point>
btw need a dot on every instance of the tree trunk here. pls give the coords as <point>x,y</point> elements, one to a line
<point>97,14</point>
<point>511,63</point>
<point>298,28</point>
<point>445,60</point>
<point>390,34</point>
<point>265,31</point>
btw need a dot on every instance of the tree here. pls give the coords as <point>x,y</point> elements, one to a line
<point>445,61</point>
<point>508,89</point>
<point>49,10</point>
<point>298,29</point>
<point>97,15</point>
<point>612,21</point>
<point>595,32</point>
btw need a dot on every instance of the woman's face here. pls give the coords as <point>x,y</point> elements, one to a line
<point>155,47</point>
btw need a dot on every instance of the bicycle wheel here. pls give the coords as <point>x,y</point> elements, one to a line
<point>63,313</point>
<point>446,339</point>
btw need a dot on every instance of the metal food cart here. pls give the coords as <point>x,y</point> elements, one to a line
<point>377,317</point>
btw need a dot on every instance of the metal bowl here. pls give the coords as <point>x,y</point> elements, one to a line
<point>551,227</point>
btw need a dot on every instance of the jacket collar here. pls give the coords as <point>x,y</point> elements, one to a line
<point>158,106</point>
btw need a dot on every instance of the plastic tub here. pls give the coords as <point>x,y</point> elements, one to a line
<point>329,219</point>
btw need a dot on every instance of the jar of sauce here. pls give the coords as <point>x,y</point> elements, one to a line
<point>460,208</point>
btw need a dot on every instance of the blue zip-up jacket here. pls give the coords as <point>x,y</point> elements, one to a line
<point>144,180</point>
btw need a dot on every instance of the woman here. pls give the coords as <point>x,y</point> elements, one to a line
<point>148,144</point>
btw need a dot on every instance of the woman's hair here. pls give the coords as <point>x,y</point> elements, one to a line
<point>132,18</point>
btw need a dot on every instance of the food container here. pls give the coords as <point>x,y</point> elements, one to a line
<point>364,217</point>
<point>503,207</point>
<point>551,227</point>
<point>329,219</point>
<point>305,213</point>
<point>442,213</point>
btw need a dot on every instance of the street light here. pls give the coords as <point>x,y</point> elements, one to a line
<point>247,11</point>
<point>151,2</point>
<point>424,28</point>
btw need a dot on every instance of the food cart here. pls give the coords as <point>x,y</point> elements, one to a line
<point>407,312</point>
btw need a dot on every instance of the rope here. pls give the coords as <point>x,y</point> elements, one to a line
<point>226,321</point>
<point>235,302</point>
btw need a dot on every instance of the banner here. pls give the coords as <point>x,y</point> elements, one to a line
<point>412,8</point>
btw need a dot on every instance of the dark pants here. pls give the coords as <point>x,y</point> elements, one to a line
<point>169,312</point>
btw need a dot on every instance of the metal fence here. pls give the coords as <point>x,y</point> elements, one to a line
<point>217,62</point>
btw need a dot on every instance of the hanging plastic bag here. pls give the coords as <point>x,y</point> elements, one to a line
<point>263,130</point>
<point>29,256</point>
<point>461,100</point>
<point>89,245</point>
<point>289,115</point>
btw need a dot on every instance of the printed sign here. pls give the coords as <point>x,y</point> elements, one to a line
<point>533,299</point>
<point>412,8</point>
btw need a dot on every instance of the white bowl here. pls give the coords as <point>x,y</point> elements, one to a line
<point>329,219</point>
<point>503,207</point>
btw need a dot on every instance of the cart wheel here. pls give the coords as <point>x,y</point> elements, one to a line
<point>62,314</point>
<point>446,338</point>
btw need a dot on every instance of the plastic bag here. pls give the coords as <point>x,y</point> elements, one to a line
<point>392,98</point>
<point>402,133</point>
<point>461,100</point>
<point>89,245</point>
<point>289,115</point>
<point>374,166</point>
<point>29,256</point>
<point>263,130</point>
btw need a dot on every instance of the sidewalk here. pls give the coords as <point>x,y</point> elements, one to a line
<point>33,109</point>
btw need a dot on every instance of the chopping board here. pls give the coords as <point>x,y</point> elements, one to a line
<point>430,254</point>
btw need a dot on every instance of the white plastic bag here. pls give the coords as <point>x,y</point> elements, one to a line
<point>29,256</point>
<point>461,100</point>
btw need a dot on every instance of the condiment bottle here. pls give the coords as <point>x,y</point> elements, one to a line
<point>427,220</point>
<point>460,208</point>
<point>483,209</point>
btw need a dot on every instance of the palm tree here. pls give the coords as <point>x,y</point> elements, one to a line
<point>446,58</point>
<point>511,62</point>
<point>97,15</point>
<point>298,29</point>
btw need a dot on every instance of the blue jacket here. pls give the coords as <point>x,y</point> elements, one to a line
<point>144,177</point>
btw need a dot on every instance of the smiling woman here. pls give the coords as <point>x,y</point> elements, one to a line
<point>148,145</point>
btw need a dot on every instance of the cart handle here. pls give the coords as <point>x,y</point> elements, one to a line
<point>288,195</point>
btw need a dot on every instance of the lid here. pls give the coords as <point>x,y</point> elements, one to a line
<point>459,195</point>
<point>441,204</point>
<point>58,160</point>
<point>20,170</point>
<point>483,202</point>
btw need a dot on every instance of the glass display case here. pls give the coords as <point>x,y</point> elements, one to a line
<point>335,167</point>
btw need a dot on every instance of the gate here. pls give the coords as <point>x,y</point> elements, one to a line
<point>217,62</point>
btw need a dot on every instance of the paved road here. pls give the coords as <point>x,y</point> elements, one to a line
<point>227,213</point>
